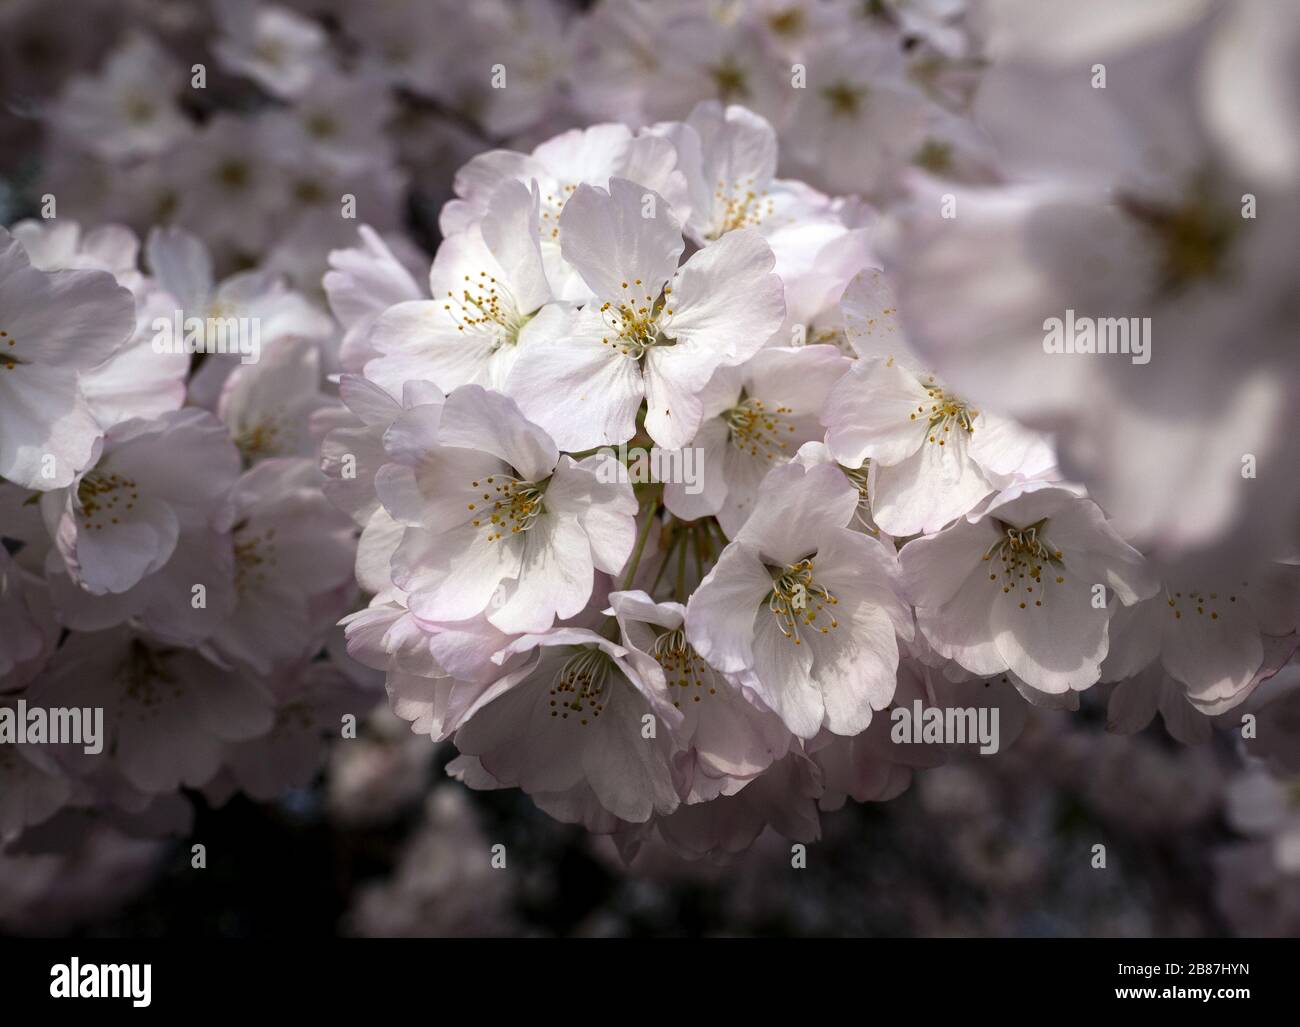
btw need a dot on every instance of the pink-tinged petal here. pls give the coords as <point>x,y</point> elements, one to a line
<point>605,506</point>
<point>798,378</point>
<point>637,606</point>
<point>797,506</point>
<point>675,377</point>
<point>555,576</point>
<point>465,649</point>
<point>521,745</point>
<point>930,488</point>
<point>1184,722</point>
<point>453,575</point>
<point>871,320</point>
<point>1277,654</point>
<point>1134,701</point>
<point>366,634</point>
<point>181,264</point>
<point>47,432</point>
<point>880,412</point>
<point>867,569</point>
<point>476,418</point>
<point>66,319</point>
<point>722,613</point>
<point>417,340</point>
<point>622,253</point>
<point>857,668</point>
<point>268,405</point>
<point>147,452</point>
<point>783,678</point>
<point>411,433</point>
<point>477,180</point>
<point>366,280</point>
<point>136,381</point>
<point>726,297</point>
<point>1092,546</point>
<point>585,155</point>
<point>715,479</point>
<point>739,144</point>
<point>581,389</point>
<point>936,567</point>
<point>446,487</point>
<point>380,538</point>
<point>510,232</point>
<point>961,628</point>
<point>1213,657</point>
<point>1000,446</point>
<point>1134,638</point>
<point>112,550</point>
<point>1056,647</point>
<point>1276,598</point>
<point>629,774</point>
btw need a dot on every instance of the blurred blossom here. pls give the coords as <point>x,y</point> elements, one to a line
<point>384,770</point>
<point>445,883</point>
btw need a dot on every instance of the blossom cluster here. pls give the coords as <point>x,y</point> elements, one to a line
<point>728,453</point>
<point>170,558</point>
<point>630,652</point>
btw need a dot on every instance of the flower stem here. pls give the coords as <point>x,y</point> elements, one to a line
<point>642,537</point>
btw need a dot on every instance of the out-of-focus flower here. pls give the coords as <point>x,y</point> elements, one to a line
<point>1124,203</point>
<point>1262,806</point>
<point>167,712</point>
<point>293,556</point>
<point>443,885</point>
<point>53,326</point>
<point>120,520</point>
<point>276,47</point>
<point>1211,638</point>
<point>130,110</point>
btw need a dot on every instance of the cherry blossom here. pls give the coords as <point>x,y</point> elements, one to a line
<point>655,331</point>
<point>803,608</point>
<point>495,514</point>
<point>1023,585</point>
<point>56,325</point>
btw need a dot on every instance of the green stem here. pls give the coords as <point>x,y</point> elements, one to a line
<point>704,555</point>
<point>610,629</point>
<point>640,544</point>
<point>674,531</point>
<point>716,528</point>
